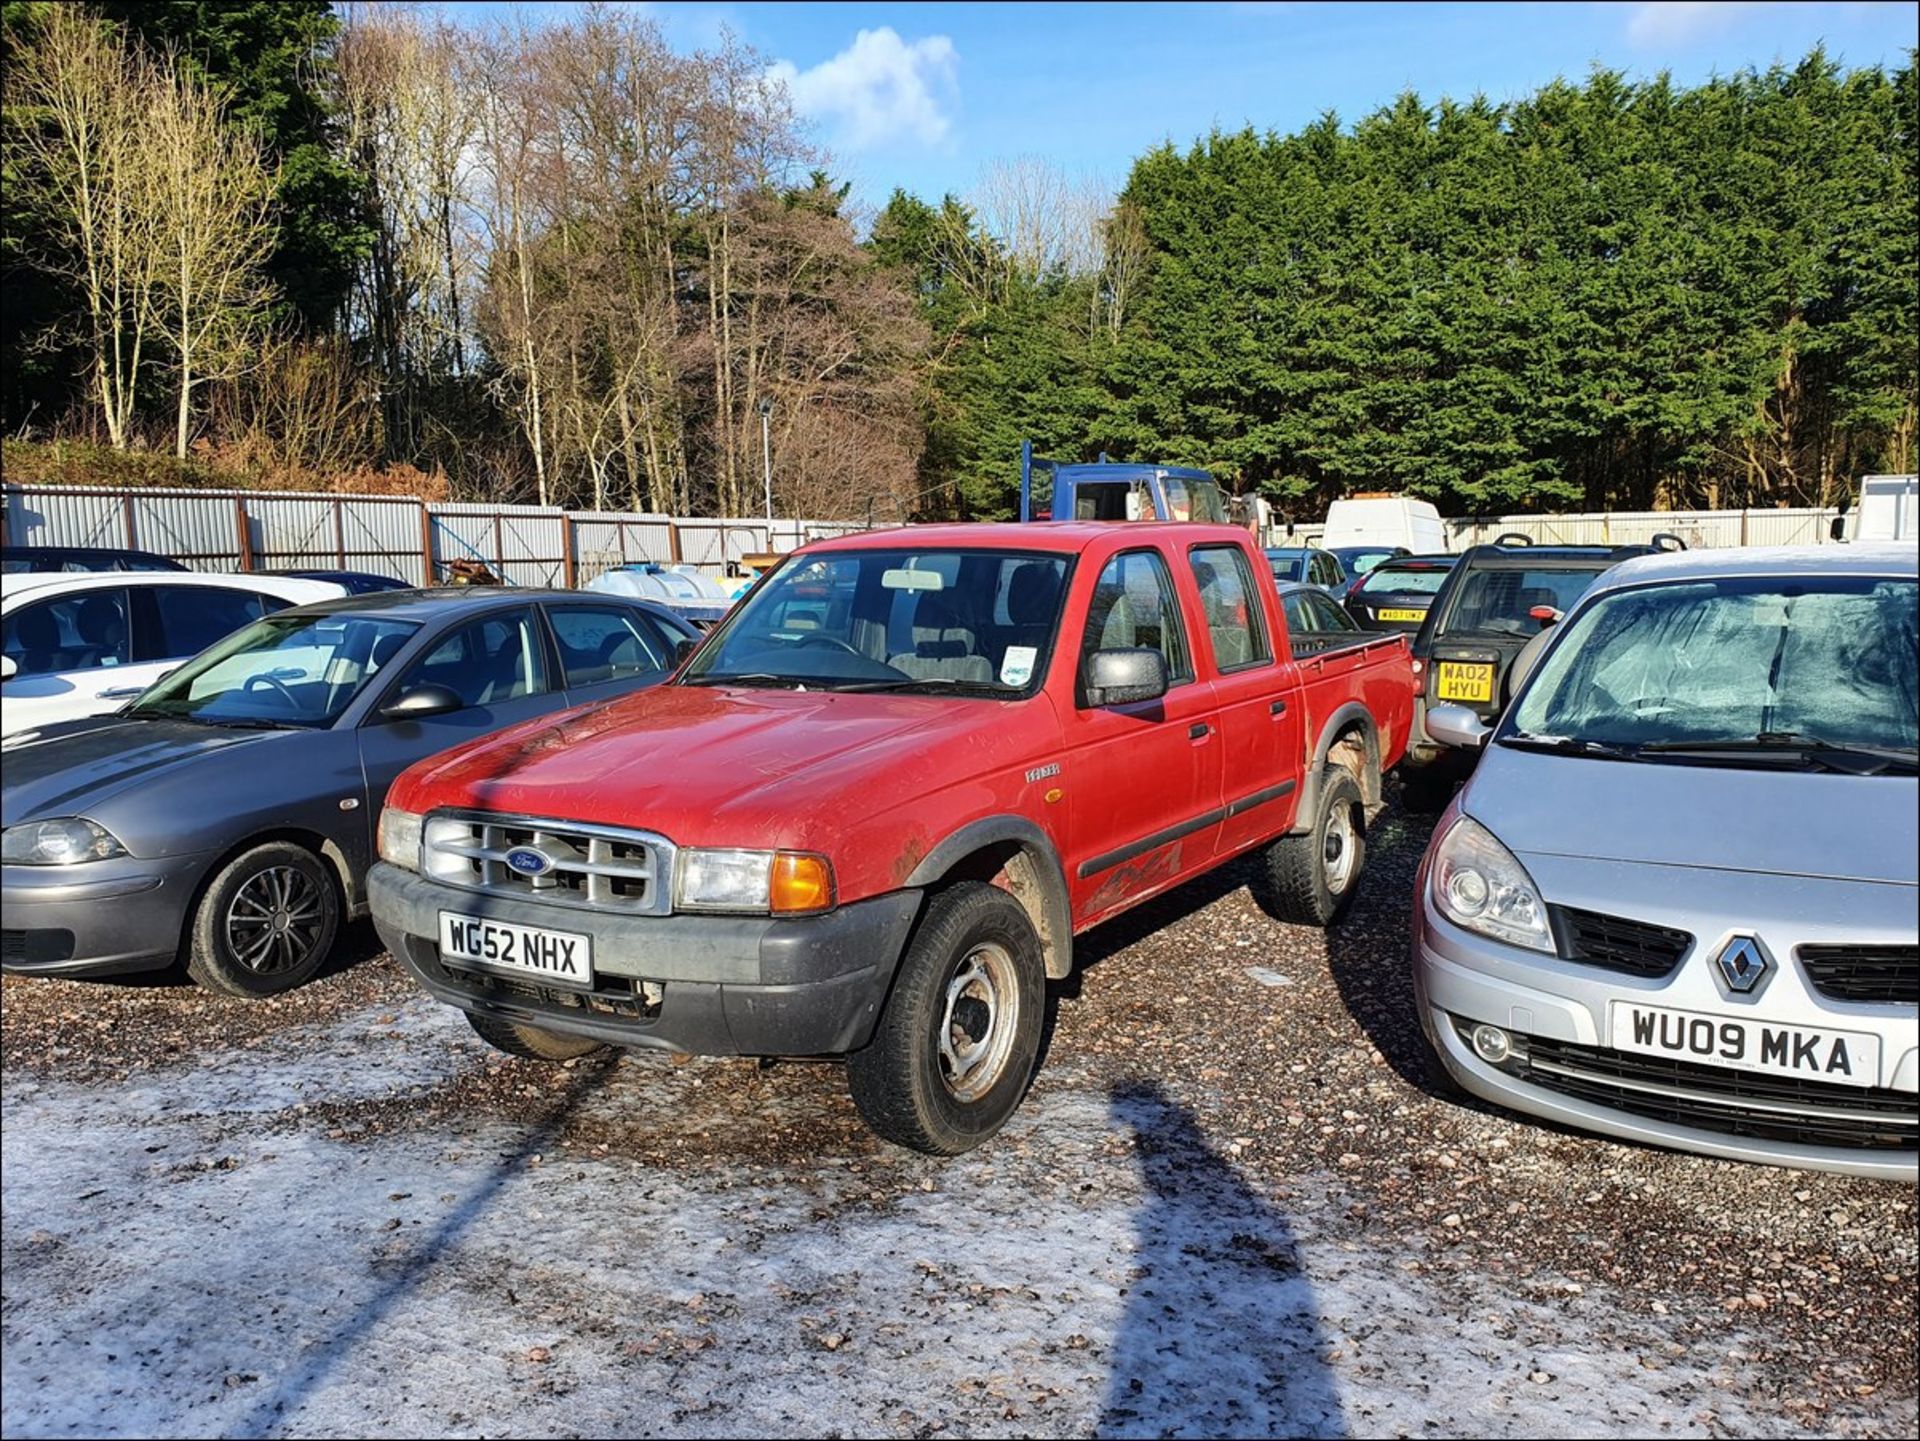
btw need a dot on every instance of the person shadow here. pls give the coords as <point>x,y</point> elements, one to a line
<point>1220,1336</point>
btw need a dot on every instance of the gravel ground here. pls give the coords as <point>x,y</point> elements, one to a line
<point>1233,1204</point>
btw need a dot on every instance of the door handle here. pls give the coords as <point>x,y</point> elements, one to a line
<point>1199,730</point>
<point>1279,707</point>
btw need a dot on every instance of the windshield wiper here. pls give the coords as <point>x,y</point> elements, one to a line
<point>1852,759</point>
<point>1571,746</point>
<point>940,682</point>
<point>752,677</point>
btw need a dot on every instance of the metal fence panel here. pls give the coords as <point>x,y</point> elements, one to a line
<point>605,539</point>
<point>197,527</point>
<point>522,544</point>
<point>61,515</point>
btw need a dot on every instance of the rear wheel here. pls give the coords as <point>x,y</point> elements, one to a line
<point>266,923</point>
<point>955,1048</point>
<point>1310,879</point>
<point>531,1043</point>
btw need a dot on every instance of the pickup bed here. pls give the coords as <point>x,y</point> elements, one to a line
<point>870,813</point>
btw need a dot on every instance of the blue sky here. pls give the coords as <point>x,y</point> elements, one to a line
<point>924,95</point>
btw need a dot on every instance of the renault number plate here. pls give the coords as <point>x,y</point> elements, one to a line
<point>1461,680</point>
<point>1811,1053</point>
<point>561,958</point>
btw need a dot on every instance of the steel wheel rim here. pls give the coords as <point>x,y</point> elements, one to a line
<point>977,1022</point>
<point>274,920</point>
<point>1338,848</point>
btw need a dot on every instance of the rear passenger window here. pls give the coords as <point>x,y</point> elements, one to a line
<point>193,617</point>
<point>1134,606</point>
<point>602,644</point>
<point>1227,595</point>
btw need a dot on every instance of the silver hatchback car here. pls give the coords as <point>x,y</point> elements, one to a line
<point>1677,901</point>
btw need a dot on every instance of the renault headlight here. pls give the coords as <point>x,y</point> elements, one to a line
<point>63,842</point>
<point>1478,884</point>
<point>400,839</point>
<point>785,883</point>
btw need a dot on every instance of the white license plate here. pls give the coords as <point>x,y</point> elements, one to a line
<point>1812,1053</point>
<point>562,958</point>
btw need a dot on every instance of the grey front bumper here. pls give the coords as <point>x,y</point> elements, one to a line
<point>730,985</point>
<point>99,918</point>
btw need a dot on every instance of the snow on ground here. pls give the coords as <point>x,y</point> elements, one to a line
<point>210,1249</point>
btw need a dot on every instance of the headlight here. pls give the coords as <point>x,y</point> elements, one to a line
<point>1478,884</point>
<point>400,838</point>
<point>62,842</point>
<point>785,883</point>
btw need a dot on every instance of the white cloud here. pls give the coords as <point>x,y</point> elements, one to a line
<point>880,88</point>
<point>1675,22</point>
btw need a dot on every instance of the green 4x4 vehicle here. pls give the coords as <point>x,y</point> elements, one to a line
<point>1497,598</point>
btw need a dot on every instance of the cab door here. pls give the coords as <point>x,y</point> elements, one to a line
<point>1256,694</point>
<point>1142,778</point>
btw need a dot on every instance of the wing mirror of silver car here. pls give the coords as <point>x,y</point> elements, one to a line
<point>1455,725</point>
<point>9,667</point>
<point>422,702</point>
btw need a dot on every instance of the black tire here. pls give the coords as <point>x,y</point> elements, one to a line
<point>974,949</point>
<point>1426,791</point>
<point>531,1043</point>
<point>1310,879</point>
<point>266,922</point>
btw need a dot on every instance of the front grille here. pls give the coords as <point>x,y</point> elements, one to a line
<point>1864,973</point>
<point>36,947</point>
<point>1634,948</point>
<point>1738,1103</point>
<point>600,867</point>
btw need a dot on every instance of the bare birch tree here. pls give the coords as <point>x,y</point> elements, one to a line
<point>88,94</point>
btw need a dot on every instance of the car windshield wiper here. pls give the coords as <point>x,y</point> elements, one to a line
<point>260,724</point>
<point>1571,746</point>
<point>939,682</point>
<point>753,677</point>
<point>1853,759</point>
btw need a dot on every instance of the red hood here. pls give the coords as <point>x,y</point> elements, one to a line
<point>710,765</point>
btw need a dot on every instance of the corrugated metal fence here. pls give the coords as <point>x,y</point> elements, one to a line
<point>390,535</point>
<point>537,545</point>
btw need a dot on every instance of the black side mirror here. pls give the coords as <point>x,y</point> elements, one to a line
<point>421,703</point>
<point>1838,529</point>
<point>1115,677</point>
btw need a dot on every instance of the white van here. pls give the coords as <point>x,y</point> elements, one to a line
<point>1385,520</point>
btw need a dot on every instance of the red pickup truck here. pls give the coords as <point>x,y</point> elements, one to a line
<point>869,814</point>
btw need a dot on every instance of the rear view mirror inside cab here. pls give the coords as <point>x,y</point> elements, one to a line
<point>912,580</point>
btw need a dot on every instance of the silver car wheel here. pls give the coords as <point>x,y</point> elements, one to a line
<point>1338,849</point>
<point>978,1022</point>
<point>274,920</point>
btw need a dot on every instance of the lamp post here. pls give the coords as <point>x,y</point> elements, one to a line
<point>766,450</point>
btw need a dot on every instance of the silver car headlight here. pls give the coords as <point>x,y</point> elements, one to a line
<point>1477,883</point>
<point>400,838</point>
<point>65,841</point>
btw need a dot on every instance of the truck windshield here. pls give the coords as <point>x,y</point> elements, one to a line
<point>975,621</point>
<point>1194,500</point>
<point>1737,671</point>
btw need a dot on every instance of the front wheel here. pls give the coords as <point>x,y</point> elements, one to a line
<point>266,923</point>
<point>955,1048</point>
<point>531,1043</point>
<point>1310,879</point>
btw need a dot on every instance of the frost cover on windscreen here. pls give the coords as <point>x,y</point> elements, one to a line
<point>1832,659</point>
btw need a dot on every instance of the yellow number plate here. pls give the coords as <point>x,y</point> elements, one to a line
<point>1459,681</point>
<point>1401,614</point>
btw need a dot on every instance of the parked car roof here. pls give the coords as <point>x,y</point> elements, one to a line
<point>427,604</point>
<point>80,559</point>
<point>298,592</point>
<point>1869,559</point>
<point>356,581</point>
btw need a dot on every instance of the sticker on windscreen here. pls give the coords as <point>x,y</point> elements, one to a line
<point>1016,666</point>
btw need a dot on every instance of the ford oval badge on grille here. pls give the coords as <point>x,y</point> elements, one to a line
<point>528,862</point>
